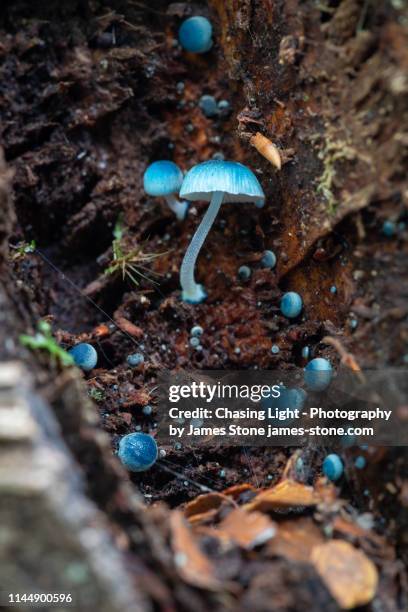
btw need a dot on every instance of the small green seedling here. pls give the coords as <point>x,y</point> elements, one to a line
<point>44,341</point>
<point>129,263</point>
<point>96,394</point>
<point>22,249</point>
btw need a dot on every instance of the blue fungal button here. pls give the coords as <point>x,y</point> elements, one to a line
<point>195,35</point>
<point>268,260</point>
<point>318,374</point>
<point>137,451</point>
<point>84,355</point>
<point>291,305</point>
<point>333,467</point>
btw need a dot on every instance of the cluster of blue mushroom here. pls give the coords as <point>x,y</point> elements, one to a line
<point>214,181</point>
<point>217,182</point>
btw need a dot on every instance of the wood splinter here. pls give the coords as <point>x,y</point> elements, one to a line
<point>267,149</point>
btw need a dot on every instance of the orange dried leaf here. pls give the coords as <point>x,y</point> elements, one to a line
<point>192,564</point>
<point>296,539</point>
<point>247,529</point>
<point>286,494</point>
<point>347,572</point>
<point>266,148</point>
<point>202,504</point>
<point>236,490</point>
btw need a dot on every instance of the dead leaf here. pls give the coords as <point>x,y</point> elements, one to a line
<point>236,490</point>
<point>296,539</point>
<point>248,529</point>
<point>203,507</point>
<point>286,494</point>
<point>347,572</point>
<point>192,564</point>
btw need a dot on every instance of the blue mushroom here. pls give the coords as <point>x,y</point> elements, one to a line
<point>216,182</point>
<point>268,260</point>
<point>163,179</point>
<point>360,462</point>
<point>318,374</point>
<point>208,105</point>
<point>137,451</point>
<point>291,305</point>
<point>135,359</point>
<point>195,35</point>
<point>333,467</point>
<point>244,273</point>
<point>84,355</point>
<point>388,228</point>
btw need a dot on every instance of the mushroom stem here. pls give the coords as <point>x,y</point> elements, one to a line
<point>192,291</point>
<point>179,208</point>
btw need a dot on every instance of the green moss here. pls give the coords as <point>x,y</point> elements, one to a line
<point>332,152</point>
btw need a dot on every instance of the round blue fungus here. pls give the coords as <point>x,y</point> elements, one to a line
<point>197,330</point>
<point>268,260</point>
<point>360,462</point>
<point>135,359</point>
<point>388,228</point>
<point>291,305</point>
<point>147,410</point>
<point>333,467</point>
<point>353,323</point>
<point>318,374</point>
<point>306,352</point>
<point>137,451</point>
<point>333,289</point>
<point>195,35</point>
<point>84,355</point>
<point>244,273</point>
<point>224,105</point>
<point>162,178</point>
<point>208,105</point>
<point>275,349</point>
<point>194,341</point>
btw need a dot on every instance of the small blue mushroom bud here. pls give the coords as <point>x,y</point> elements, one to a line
<point>135,359</point>
<point>244,273</point>
<point>275,349</point>
<point>333,289</point>
<point>195,35</point>
<point>333,467</point>
<point>208,105</point>
<point>306,352</point>
<point>216,182</point>
<point>137,451</point>
<point>197,330</point>
<point>360,462</point>
<point>291,305</point>
<point>224,106</point>
<point>194,341</point>
<point>268,260</point>
<point>353,323</point>
<point>164,179</point>
<point>84,355</point>
<point>318,374</point>
<point>388,228</point>
<point>147,410</point>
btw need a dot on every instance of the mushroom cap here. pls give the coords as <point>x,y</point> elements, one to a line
<point>236,181</point>
<point>195,34</point>
<point>162,178</point>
